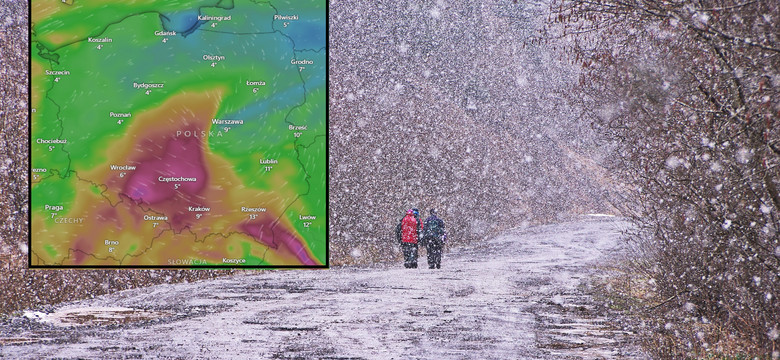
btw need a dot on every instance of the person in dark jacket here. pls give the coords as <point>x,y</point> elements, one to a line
<point>434,237</point>
<point>409,236</point>
<point>398,231</point>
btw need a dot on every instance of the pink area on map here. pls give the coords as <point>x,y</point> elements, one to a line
<point>271,234</point>
<point>180,169</point>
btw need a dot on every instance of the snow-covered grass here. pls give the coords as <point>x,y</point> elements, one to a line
<point>635,297</point>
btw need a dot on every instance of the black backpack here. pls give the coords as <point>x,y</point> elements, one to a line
<point>432,231</point>
<point>398,232</point>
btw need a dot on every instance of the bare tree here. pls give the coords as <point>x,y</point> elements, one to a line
<point>689,92</point>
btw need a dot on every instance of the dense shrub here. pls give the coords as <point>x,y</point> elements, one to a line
<point>689,95</point>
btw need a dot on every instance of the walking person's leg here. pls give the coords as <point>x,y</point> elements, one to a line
<point>431,256</point>
<point>414,256</point>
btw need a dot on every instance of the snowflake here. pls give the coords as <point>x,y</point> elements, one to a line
<point>773,334</point>
<point>744,155</point>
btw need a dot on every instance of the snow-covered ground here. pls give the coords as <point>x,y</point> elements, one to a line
<point>521,295</point>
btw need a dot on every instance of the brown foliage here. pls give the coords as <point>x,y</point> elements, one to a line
<point>690,93</point>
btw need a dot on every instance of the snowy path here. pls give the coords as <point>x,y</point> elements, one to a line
<point>515,297</point>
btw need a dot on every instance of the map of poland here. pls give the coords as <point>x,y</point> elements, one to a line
<point>178,133</point>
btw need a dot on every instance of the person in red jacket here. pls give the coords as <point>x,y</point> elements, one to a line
<point>420,225</point>
<point>410,228</point>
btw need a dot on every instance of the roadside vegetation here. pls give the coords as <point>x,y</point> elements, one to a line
<point>688,97</point>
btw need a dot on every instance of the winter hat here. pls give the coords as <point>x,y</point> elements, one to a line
<point>409,212</point>
<point>416,212</point>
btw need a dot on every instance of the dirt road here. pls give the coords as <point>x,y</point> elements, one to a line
<point>522,295</point>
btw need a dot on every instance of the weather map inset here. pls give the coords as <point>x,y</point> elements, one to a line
<point>178,133</point>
